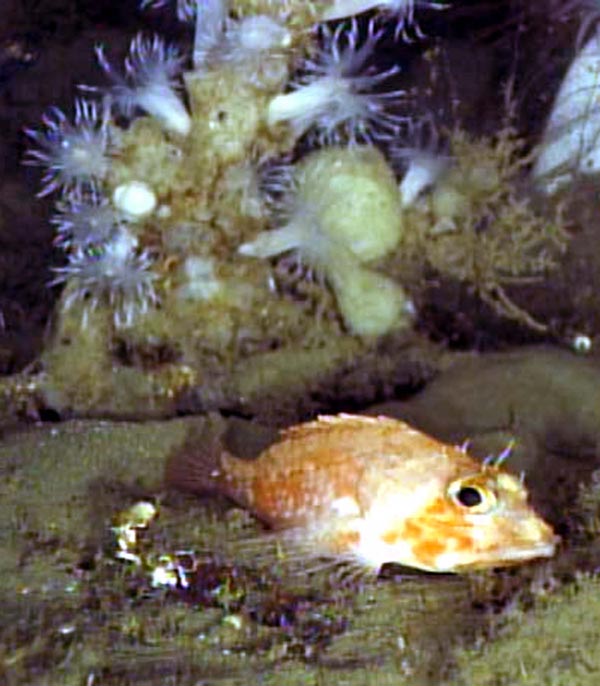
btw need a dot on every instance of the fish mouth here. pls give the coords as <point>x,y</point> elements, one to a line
<point>546,549</point>
<point>512,556</point>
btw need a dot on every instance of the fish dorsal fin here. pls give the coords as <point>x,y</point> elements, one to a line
<point>325,423</point>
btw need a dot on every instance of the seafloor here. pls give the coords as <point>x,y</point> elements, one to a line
<point>75,614</point>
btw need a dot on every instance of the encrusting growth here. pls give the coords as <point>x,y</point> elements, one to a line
<point>264,196</point>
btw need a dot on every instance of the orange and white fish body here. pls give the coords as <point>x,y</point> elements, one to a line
<point>375,490</point>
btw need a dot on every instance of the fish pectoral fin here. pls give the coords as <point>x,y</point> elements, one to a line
<point>336,535</point>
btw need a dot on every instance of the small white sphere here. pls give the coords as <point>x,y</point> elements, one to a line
<point>582,344</point>
<point>135,199</point>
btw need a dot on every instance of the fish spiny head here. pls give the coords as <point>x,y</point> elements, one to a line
<point>482,520</point>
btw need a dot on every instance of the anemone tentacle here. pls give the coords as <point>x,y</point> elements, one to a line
<point>76,156</point>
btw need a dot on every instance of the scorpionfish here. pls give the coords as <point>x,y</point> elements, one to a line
<point>374,490</point>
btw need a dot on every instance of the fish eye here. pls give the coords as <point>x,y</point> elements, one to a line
<point>474,497</point>
<point>469,496</point>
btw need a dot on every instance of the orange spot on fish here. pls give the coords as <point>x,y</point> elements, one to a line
<point>391,537</point>
<point>427,550</point>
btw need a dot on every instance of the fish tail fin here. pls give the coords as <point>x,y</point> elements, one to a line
<point>198,464</point>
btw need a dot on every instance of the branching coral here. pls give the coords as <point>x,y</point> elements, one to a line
<point>477,229</point>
